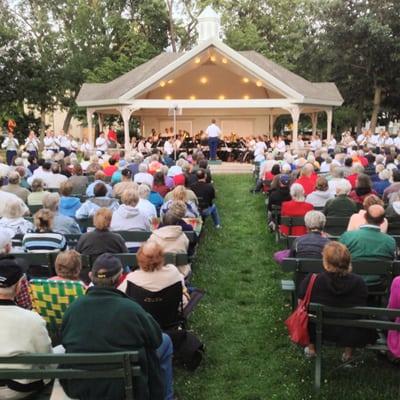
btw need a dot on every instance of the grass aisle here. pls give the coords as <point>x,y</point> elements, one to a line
<point>248,356</point>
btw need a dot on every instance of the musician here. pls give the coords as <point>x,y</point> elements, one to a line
<point>213,133</point>
<point>112,138</point>
<point>169,146</point>
<point>64,143</point>
<point>384,139</point>
<point>142,146</point>
<point>300,142</point>
<point>50,144</point>
<point>280,145</point>
<point>362,138</point>
<point>101,144</point>
<point>315,143</point>
<point>85,147</point>
<point>11,144</point>
<point>32,144</point>
<point>74,146</point>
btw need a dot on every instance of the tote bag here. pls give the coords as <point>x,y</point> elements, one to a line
<point>297,323</point>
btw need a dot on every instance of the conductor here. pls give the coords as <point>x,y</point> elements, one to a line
<point>213,132</point>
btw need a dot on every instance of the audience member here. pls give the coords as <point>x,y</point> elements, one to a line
<point>61,224</point>
<point>116,323</point>
<point>78,181</point>
<point>357,220</point>
<point>297,207</point>
<point>14,180</point>
<point>125,184</point>
<point>393,338</point>
<point>38,192</point>
<point>341,205</point>
<point>143,176</point>
<point>13,220</point>
<point>362,190</point>
<point>101,240</point>
<point>21,331</point>
<point>99,177</point>
<point>321,195</point>
<point>68,266</point>
<point>69,204</point>
<point>338,287</point>
<point>43,239</point>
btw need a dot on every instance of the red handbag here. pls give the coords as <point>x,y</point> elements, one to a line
<point>297,323</point>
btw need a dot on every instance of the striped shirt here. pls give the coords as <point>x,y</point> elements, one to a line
<point>36,242</point>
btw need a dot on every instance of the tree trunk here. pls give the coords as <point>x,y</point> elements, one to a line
<point>171,24</point>
<point>67,120</point>
<point>376,107</point>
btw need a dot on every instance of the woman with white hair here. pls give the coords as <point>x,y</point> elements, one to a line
<point>13,219</point>
<point>341,205</point>
<point>384,181</point>
<point>297,207</point>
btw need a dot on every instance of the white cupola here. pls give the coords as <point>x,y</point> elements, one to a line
<point>208,25</point>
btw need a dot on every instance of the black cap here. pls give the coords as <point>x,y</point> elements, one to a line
<point>106,266</point>
<point>11,271</point>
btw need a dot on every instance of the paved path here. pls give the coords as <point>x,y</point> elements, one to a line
<point>231,168</point>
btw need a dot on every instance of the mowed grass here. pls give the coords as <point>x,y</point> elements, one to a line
<point>240,320</point>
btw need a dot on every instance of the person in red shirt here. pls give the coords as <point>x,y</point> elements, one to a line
<point>296,207</point>
<point>357,169</point>
<point>111,168</point>
<point>112,138</point>
<point>308,178</point>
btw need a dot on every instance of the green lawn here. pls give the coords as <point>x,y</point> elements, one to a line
<point>240,320</point>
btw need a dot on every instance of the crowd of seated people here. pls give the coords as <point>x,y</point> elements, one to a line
<point>358,189</point>
<point>94,200</point>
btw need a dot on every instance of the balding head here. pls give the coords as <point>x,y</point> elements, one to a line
<point>375,215</point>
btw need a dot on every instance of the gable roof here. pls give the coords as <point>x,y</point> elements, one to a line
<point>114,90</point>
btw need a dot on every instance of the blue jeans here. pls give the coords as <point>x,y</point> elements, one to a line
<point>164,353</point>
<point>213,144</point>
<point>212,210</point>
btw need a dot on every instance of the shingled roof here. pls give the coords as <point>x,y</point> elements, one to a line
<point>323,91</point>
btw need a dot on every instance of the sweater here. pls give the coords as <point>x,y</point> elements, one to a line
<point>98,242</point>
<point>69,206</point>
<point>340,206</point>
<point>105,320</point>
<point>21,332</point>
<point>318,198</point>
<point>89,207</point>
<point>294,208</point>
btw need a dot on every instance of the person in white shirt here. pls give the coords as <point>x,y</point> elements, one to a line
<point>85,147</point>
<point>145,207</point>
<point>50,143</point>
<point>11,145</point>
<point>396,141</point>
<point>44,174</point>
<point>213,132</point>
<point>168,146</point>
<point>332,144</point>
<point>6,197</point>
<point>300,142</point>
<point>259,148</point>
<point>4,168</point>
<point>101,144</point>
<point>374,141</point>
<point>315,143</point>
<point>32,144</point>
<point>21,331</point>
<point>74,146</point>
<point>64,143</point>
<point>57,179</point>
<point>143,176</point>
<point>280,145</point>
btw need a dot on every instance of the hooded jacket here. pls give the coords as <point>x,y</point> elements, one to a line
<point>68,206</point>
<point>318,198</point>
<point>172,239</point>
<point>89,207</point>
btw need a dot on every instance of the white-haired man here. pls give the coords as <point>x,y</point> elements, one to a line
<point>31,337</point>
<point>341,205</point>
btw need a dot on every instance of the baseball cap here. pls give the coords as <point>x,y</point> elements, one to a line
<point>5,238</point>
<point>10,272</point>
<point>106,266</point>
<point>284,180</point>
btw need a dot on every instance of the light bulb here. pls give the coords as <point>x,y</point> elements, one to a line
<point>203,80</point>
<point>245,80</point>
<point>162,83</point>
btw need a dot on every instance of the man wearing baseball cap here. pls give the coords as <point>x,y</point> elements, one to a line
<point>106,320</point>
<point>21,331</point>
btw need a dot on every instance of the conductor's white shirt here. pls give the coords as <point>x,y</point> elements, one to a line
<point>213,131</point>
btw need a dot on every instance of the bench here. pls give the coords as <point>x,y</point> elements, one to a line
<point>364,317</point>
<point>122,365</point>
<point>302,266</point>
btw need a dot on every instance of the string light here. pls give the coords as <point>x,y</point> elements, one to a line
<point>203,80</point>
<point>245,80</point>
<point>162,83</point>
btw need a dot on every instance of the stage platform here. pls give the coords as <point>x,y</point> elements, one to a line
<point>231,168</point>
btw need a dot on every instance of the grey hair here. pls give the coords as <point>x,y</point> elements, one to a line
<point>297,192</point>
<point>357,168</point>
<point>336,171</point>
<point>14,177</point>
<point>144,191</point>
<point>143,167</point>
<point>385,174</point>
<point>315,220</point>
<point>13,208</point>
<point>343,187</point>
<point>51,201</point>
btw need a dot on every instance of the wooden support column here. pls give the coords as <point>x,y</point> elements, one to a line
<point>295,113</point>
<point>314,122</point>
<point>126,116</point>
<point>329,118</point>
<point>89,116</point>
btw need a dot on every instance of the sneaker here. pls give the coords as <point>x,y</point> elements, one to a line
<point>218,226</point>
<point>308,353</point>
